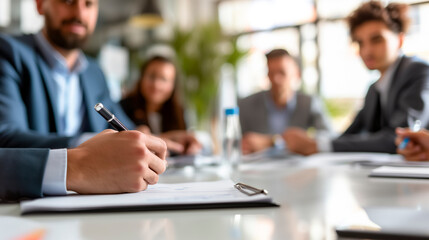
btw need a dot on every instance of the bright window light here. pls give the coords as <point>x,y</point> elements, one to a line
<point>31,21</point>
<point>5,13</point>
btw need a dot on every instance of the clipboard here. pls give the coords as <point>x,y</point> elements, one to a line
<point>159,197</point>
<point>386,223</point>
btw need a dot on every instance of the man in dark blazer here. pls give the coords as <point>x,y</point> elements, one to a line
<point>110,162</point>
<point>265,115</point>
<point>48,87</point>
<point>399,96</point>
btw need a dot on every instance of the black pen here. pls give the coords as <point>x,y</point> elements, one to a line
<point>110,118</point>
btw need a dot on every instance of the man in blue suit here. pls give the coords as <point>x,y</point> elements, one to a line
<point>48,87</point>
<point>110,162</point>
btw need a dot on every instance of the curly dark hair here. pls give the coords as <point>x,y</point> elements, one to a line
<point>394,15</point>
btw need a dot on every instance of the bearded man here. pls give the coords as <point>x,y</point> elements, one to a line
<point>48,87</point>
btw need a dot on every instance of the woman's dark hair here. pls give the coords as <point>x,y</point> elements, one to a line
<point>171,111</point>
<point>394,15</point>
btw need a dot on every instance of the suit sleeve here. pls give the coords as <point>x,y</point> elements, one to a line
<point>380,141</point>
<point>414,95</point>
<point>21,173</point>
<point>14,129</point>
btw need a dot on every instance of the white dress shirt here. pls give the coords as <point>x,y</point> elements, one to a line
<point>54,179</point>
<point>70,109</point>
<point>67,87</point>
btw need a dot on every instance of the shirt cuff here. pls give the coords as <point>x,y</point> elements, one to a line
<point>324,144</point>
<point>54,179</point>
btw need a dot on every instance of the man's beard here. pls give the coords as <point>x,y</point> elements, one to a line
<point>66,41</point>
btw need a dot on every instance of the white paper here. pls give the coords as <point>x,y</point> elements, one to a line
<point>321,159</point>
<point>409,172</point>
<point>159,194</point>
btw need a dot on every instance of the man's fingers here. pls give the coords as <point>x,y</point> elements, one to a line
<point>416,157</point>
<point>398,140</point>
<point>151,177</point>
<point>142,185</point>
<point>413,152</point>
<point>412,149</point>
<point>156,145</point>
<point>156,164</point>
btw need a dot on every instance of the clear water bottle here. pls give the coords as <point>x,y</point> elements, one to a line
<point>232,138</point>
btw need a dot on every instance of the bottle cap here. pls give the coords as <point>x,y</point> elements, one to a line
<point>232,111</point>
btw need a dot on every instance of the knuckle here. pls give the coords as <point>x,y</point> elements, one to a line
<point>163,144</point>
<point>163,167</point>
<point>154,179</point>
<point>141,150</point>
<point>143,186</point>
<point>136,136</point>
<point>140,169</point>
<point>137,186</point>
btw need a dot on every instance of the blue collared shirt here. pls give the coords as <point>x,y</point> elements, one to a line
<point>67,87</point>
<point>70,109</point>
<point>279,117</point>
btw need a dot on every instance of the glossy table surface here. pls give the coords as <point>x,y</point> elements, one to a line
<point>314,198</point>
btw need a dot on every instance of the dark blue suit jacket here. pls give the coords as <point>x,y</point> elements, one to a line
<point>21,172</point>
<point>28,110</point>
<point>373,129</point>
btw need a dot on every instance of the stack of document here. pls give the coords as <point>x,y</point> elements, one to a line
<point>400,172</point>
<point>196,195</point>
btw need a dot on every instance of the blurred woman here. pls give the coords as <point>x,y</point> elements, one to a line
<point>154,103</point>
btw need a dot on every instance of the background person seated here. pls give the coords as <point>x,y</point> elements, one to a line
<point>400,92</point>
<point>264,116</point>
<point>155,103</point>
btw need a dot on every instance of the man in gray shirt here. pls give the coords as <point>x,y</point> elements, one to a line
<point>264,116</point>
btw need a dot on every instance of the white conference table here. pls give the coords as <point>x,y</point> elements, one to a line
<point>314,198</point>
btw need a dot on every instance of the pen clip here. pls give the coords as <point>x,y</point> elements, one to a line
<point>249,190</point>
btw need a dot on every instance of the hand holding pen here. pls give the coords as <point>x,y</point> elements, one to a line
<point>115,162</point>
<point>416,147</point>
<point>415,128</point>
